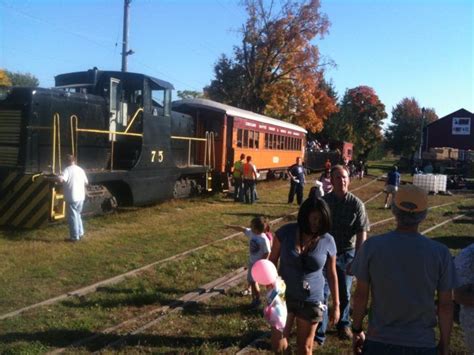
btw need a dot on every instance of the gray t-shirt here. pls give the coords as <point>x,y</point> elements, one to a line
<point>404,271</point>
<point>259,245</point>
<point>296,268</point>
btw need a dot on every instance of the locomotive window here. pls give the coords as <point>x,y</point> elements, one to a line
<point>161,99</point>
<point>251,134</point>
<point>239,138</point>
<point>266,141</point>
<point>246,139</point>
<point>270,141</point>
<point>137,98</point>
<point>256,139</point>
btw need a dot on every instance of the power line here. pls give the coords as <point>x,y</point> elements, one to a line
<point>95,40</point>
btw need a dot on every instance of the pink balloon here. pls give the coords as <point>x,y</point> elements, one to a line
<point>264,272</point>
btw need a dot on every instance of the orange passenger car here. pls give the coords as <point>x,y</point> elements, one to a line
<point>272,144</point>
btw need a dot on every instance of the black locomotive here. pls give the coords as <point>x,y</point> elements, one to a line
<point>120,126</point>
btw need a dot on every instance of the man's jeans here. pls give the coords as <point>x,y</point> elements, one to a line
<point>376,348</point>
<point>345,285</point>
<point>249,186</point>
<point>238,190</point>
<point>295,188</point>
<point>74,209</point>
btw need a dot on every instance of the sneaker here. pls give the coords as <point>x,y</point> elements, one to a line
<point>245,292</point>
<point>345,333</point>
<point>386,206</point>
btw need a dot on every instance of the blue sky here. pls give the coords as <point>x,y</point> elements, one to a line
<point>401,48</point>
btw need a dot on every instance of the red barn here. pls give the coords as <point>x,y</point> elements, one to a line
<point>455,130</point>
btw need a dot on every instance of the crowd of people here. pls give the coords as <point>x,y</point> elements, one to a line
<point>402,272</point>
<point>319,256</point>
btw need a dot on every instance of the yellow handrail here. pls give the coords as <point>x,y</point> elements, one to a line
<point>109,132</point>
<point>188,138</point>
<point>133,119</point>
<point>73,123</point>
<point>56,136</point>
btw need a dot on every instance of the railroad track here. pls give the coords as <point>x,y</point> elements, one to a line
<point>137,325</point>
<point>118,278</point>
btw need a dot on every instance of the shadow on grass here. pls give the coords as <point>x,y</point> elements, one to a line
<point>59,338</point>
<point>199,309</point>
<point>185,344</point>
<point>455,242</point>
<point>128,297</point>
<point>20,235</point>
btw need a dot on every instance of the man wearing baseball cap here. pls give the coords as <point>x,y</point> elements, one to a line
<point>403,271</point>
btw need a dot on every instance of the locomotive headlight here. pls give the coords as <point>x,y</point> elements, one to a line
<point>4,91</point>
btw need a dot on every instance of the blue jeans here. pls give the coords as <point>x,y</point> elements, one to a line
<point>344,285</point>
<point>238,190</point>
<point>74,209</point>
<point>376,348</point>
<point>296,188</point>
<point>249,186</point>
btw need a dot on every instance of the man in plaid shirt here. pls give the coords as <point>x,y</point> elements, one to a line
<point>349,229</point>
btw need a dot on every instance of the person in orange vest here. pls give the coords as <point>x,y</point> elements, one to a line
<point>250,180</point>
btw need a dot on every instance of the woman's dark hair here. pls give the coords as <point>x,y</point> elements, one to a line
<point>311,205</point>
<point>258,223</point>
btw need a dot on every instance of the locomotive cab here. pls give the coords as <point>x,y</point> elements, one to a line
<point>135,105</point>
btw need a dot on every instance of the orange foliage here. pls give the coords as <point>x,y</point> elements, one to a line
<point>282,67</point>
<point>4,79</point>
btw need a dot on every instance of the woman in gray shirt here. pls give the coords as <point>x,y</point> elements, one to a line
<point>303,249</point>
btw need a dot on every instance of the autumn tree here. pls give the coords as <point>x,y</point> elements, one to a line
<point>360,118</point>
<point>277,70</point>
<point>403,135</point>
<point>4,79</point>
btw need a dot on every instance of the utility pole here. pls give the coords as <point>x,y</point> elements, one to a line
<point>421,133</point>
<point>125,51</point>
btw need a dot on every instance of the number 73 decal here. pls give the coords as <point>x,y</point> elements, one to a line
<point>157,155</point>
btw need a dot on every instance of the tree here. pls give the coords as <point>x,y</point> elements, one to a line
<point>4,79</point>
<point>403,135</point>
<point>277,70</point>
<point>190,94</point>
<point>332,126</point>
<point>360,119</point>
<point>22,79</point>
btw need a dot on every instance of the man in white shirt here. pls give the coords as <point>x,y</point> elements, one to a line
<point>74,181</point>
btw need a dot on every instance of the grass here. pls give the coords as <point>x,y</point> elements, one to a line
<point>38,265</point>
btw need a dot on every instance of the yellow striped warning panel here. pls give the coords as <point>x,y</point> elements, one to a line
<point>24,201</point>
